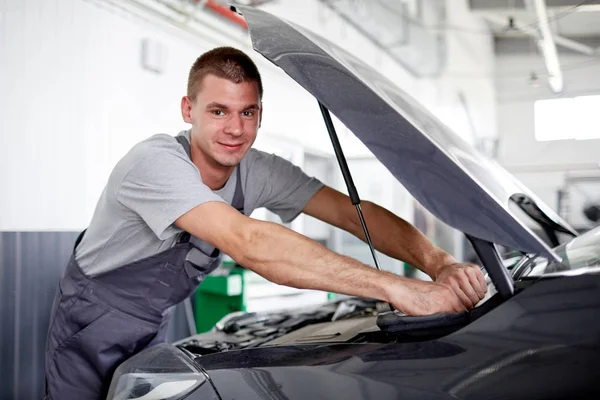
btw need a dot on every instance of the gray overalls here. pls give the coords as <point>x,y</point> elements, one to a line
<point>99,322</point>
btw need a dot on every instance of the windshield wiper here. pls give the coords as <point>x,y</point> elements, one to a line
<point>550,226</point>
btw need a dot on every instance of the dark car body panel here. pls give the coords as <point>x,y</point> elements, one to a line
<point>452,180</point>
<point>530,347</point>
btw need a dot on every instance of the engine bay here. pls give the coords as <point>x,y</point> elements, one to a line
<point>350,320</point>
<point>245,330</point>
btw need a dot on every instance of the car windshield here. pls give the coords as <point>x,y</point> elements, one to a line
<point>581,252</point>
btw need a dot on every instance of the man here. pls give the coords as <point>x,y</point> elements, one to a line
<point>171,205</point>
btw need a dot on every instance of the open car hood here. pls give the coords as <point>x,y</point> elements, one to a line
<point>443,172</point>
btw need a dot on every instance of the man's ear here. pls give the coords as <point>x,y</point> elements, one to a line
<point>186,109</point>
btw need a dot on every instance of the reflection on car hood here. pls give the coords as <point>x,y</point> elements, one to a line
<point>444,173</point>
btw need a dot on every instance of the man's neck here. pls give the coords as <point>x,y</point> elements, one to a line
<point>213,175</point>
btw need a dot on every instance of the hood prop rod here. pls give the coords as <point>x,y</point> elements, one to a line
<point>339,154</point>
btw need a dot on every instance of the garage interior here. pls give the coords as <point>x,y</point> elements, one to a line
<point>82,81</point>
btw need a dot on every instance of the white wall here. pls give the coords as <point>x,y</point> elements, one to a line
<point>74,97</point>
<point>469,71</point>
<point>543,166</point>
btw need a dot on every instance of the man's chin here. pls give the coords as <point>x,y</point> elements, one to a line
<point>231,159</point>
<point>228,161</point>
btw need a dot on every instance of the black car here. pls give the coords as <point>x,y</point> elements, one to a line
<point>535,336</point>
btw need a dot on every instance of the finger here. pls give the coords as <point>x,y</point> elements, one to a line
<point>452,303</point>
<point>481,280</point>
<point>474,278</point>
<point>468,288</point>
<point>458,304</point>
<point>464,299</point>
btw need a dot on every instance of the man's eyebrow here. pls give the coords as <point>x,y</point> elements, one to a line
<point>251,107</point>
<point>216,105</point>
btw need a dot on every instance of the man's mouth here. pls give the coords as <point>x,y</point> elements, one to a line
<point>231,146</point>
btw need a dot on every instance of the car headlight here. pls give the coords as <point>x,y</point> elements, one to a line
<point>160,372</point>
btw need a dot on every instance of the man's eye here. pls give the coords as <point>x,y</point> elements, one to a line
<point>248,113</point>
<point>218,113</point>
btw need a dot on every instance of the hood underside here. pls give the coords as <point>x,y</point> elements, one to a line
<point>443,172</point>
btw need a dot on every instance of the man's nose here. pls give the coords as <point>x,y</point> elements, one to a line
<point>234,125</point>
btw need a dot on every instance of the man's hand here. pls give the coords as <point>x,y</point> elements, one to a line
<point>457,287</point>
<point>425,298</point>
<point>466,280</point>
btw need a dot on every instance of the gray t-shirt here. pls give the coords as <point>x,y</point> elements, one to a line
<point>156,183</point>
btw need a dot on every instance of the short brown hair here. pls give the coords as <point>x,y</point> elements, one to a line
<point>224,62</point>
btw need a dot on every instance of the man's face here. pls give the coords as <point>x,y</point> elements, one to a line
<point>225,118</point>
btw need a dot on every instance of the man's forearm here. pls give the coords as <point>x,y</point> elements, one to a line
<point>288,258</point>
<point>285,257</point>
<point>397,238</point>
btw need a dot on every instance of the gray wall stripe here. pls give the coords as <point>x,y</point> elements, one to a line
<point>31,264</point>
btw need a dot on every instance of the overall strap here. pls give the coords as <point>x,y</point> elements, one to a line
<point>238,195</point>
<point>184,237</point>
<point>185,144</point>
<point>78,240</point>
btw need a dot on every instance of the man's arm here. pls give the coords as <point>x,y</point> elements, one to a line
<point>397,238</point>
<point>288,258</point>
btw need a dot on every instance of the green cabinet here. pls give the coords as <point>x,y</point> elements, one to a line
<point>218,296</point>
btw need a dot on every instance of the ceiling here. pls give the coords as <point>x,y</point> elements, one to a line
<point>567,18</point>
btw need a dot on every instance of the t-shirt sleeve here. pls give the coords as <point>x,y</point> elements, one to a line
<point>280,186</point>
<point>161,187</point>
